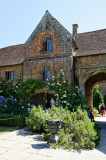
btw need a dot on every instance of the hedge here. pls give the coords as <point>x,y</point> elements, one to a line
<point>12,120</point>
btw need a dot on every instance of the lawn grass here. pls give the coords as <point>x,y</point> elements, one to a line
<point>4,130</point>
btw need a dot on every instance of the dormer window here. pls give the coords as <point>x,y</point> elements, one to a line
<point>47,44</point>
<point>45,73</point>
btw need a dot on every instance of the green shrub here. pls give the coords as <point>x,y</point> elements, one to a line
<point>54,113</point>
<point>29,86</point>
<point>36,119</point>
<point>77,130</point>
<point>12,120</point>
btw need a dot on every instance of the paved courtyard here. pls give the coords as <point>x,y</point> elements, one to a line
<point>23,145</point>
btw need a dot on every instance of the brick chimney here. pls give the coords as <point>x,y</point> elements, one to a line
<point>75,29</point>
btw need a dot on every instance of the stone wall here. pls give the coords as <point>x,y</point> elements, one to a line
<point>32,68</point>
<point>59,57</point>
<point>87,66</point>
<point>17,69</point>
<point>90,70</point>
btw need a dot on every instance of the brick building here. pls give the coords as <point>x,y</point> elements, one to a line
<point>51,47</point>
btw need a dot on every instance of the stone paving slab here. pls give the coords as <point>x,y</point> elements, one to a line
<point>24,145</point>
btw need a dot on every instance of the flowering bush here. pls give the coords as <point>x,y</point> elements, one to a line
<point>18,89</point>
<point>17,95</point>
<point>66,94</point>
<point>10,88</point>
<point>7,100</point>
<point>11,106</point>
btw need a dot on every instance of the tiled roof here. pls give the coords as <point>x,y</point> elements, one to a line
<point>12,55</point>
<point>91,43</point>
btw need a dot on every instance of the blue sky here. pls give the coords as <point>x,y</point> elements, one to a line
<point>18,18</point>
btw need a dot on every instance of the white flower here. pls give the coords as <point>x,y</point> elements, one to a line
<point>64,81</point>
<point>61,71</point>
<point>53,84</point>
<point>56,138</point>
<point>68,104</point>
<point>59,84</point>
<point>52,102</point>
<point>28,104</point>
<point>77,87</point>
<point>28,109</point>
<point>64,95</point>
<point>56,95</point>
<point>53,77</point>
<point>22,106</point>
<point>64,102</point>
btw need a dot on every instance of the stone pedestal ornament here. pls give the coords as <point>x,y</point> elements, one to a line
<point>53,127</point>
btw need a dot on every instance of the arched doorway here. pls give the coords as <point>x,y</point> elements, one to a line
<point>41,97</point>
<point>90,83</point>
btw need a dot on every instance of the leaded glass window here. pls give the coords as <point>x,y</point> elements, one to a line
<point>47,44</point>
<point>9,76</point>
<point>45,73</point>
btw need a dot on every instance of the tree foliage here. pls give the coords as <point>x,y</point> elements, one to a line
<point>97,97</point>
<point>105,99</point>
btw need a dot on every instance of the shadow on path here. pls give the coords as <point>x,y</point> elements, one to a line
<point>43,145</point>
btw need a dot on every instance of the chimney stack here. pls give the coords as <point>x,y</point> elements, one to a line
<point>75,29</point>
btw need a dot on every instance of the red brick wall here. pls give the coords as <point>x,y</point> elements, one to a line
<point>57,59</point>
<point>32,69</point>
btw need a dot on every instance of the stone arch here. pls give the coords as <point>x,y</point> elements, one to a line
<point>86,73</point>
<point>42,97</point>
<point>90,83</point>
